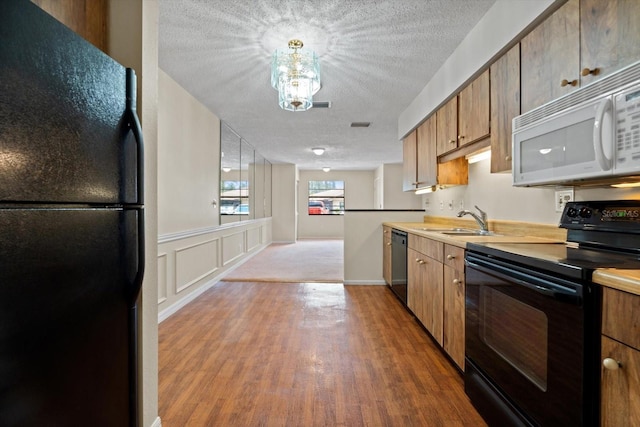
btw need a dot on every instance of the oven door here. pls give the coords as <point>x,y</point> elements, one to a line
<point>525,344</point>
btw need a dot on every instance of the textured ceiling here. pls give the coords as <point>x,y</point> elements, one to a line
<point>375,57</point>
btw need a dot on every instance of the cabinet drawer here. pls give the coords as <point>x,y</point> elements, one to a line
<point>621,316</point>
<point>428,247</point>
<point>454,257</point>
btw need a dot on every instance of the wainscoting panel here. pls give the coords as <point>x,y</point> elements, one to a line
<point>162,278</point>
<point>194,263</point>
<point>254,238</point>
<point>233,247</point>
<point>191,261</point>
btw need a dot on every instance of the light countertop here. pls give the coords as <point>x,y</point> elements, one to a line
<point>624,280</point>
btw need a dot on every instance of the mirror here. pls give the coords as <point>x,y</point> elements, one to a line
<point>245,179</point>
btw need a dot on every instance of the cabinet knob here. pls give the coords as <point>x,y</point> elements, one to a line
<point>566,82</point>
<point>456,281</point>
<point>460,136</point>
<point>420,261</point>
<point>450,257</point>
<point>508,158</point>
<point>587,71</point>
<point>611,364</point>
<point>388,244</point>
<point>452,141</point>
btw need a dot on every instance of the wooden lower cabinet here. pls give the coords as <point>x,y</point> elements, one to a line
<point>424,285</point>
<point>620,382</point>
<point>454,299</point>
<point>620,398</point>
<point>436,292</point>
<point>386,254</point>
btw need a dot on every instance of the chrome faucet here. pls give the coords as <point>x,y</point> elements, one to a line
<point>480,219</point>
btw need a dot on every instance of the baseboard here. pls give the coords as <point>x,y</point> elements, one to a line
<point>157,423</point>
<point>365,282</point>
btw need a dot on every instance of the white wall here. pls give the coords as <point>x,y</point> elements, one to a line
<point>358,194</point>
<point>188,158</point>
<point>284,202</point>
<point>494,194</point>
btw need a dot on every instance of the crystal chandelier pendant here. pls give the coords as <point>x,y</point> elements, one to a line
<point>295,74</point>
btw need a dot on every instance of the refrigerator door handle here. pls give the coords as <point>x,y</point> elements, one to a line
<point>134,124</point>
<point>137,281</point>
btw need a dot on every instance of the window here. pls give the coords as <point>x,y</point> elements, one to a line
<point>234,198</point>
<point>326,197</point>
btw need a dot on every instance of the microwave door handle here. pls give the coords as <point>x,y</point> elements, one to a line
<point>602,129</point>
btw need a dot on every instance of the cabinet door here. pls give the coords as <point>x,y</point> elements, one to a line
<point>454,314</point>
<point>505,105</point>
<point>409,162</point>
<point>473,110</point>
<point>426,148</point>
<point>620,405</point>
<point>551,54</point>
<point>386,254</point>
<point>609,36</point>
<point>447,127</point>
<point>433,298</point>
<point>415,294</point>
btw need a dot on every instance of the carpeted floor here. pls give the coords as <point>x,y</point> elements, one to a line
<point>303,261</point>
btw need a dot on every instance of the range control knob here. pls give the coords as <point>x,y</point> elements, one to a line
<point>572,212</point>
<point>585,213</point>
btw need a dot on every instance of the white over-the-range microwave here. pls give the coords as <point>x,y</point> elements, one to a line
<point>588,137</point>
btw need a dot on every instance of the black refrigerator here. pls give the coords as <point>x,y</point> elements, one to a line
<point>71,227</point>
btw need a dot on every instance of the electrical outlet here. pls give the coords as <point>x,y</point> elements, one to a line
<point>461,205</point>
<point>562,197</point>
<point>441,205</point>
<point>451,205</point>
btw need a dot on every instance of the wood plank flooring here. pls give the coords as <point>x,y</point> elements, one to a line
<point>307,354</point>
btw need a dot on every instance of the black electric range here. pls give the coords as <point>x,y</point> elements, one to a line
<point>600,234</point>
<point>532,346</point>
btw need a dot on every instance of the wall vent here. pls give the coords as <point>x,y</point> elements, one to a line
<point>360,124</point>
<point>322,104</point>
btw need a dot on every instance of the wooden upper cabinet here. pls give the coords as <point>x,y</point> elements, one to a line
<point>88,18</point>
<point>505,105</point>
<point>550,57</point>
<point>447,127</point>
<point>473,110</point>
<point>609,36</point>
<point>427,174</point>
<point>409,162</point>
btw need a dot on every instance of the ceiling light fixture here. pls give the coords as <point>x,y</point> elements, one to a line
<point>226,169</point>
<point>326,169</point>
<point>318,151</point>
<point>295,74</point>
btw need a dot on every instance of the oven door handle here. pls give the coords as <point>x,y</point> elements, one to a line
<point>535,283</point>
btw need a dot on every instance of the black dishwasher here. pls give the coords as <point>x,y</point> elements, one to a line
<point>399,264</point>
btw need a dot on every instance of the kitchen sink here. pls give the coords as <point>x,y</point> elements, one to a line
<point>457,231</point>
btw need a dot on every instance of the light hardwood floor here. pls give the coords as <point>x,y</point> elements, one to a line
<point>307,354</point>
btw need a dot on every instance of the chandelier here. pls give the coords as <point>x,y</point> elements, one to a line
<point>295,74</point>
